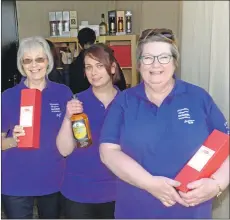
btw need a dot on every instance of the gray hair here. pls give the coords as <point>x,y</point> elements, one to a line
<point>34,43</point>
<point>158,38</point>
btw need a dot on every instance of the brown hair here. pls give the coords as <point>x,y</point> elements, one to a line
<point>103,54</point>
<point>158,35</point>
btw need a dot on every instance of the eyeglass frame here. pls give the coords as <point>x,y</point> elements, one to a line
<point>36,60</point>
<point>171,56</point>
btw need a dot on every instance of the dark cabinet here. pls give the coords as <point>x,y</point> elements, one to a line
<point>9,39</point>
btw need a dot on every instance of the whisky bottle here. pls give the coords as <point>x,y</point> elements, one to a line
<point>81,129</point>
<point>128,22</point>
<point>112,26</point>
<point>120,24</point>
<point>102,26</point>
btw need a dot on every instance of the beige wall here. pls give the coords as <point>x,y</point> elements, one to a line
<point>33,15</point>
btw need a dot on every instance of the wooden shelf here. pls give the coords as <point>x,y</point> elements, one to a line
<point>131,39</point>
<point>63,39</point>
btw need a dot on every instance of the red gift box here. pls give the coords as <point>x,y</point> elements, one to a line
<point>122,53</point>
<point>30,115</point>
<point>206,161</point>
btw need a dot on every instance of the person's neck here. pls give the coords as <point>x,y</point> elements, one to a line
<point>158,93</point>
<point>35,84</point>
<point>105,93</point>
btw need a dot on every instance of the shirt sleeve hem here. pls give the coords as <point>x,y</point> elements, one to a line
<point>109,140</point>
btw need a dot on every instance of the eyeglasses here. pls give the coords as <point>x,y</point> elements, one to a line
<point>162,59</point>
<point>37,60</point>
<point>161,31</point>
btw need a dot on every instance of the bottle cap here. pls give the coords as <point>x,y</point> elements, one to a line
<point>128,13</point>
<point>74,96</point>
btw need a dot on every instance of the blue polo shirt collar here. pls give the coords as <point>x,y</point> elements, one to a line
<point>179,88</point>
<point>23,86</point>
<point>91,90</point>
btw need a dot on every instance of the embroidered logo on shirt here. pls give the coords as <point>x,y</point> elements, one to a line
<point>55,108</point>
<point>183,114</point>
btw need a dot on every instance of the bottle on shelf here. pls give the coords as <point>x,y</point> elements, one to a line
<point>112,25</point>
<point>120,24</point>
<point>75,52</point>
<point>68,54</point>
<point>81,129</point>
<point>102,26</point>
<point>128,22</point>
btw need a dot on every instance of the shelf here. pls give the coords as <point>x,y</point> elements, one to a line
<point>131,40</point>
<point>63,39</point>
<point>126,67</point>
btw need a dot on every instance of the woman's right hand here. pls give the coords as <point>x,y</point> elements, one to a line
<point>73,106</point>
<point>17,132</point>
<point>163,189</point>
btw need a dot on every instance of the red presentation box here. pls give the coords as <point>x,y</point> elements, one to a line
<point>122,53</point>
<point>206,160</point>
<point>30,117</point>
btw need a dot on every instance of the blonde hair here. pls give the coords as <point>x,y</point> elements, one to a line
<point>34,43</point>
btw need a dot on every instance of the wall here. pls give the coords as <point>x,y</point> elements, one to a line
<point>33,15</point>
<point>205,60</point>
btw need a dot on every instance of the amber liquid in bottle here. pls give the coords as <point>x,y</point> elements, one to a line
<point>81,130</point>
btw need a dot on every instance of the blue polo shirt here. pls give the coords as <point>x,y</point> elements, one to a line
<point>161,139</point>
<point>34,172</point>
<point>86,178</point>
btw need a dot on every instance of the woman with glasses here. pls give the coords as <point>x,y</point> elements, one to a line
<point>30,173</point>
<point>152,130</point>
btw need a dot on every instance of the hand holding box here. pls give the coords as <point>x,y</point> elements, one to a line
<point>206,160</point>
<point>30,117</point>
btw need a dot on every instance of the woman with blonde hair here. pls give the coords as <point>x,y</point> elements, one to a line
<point>30,173</point>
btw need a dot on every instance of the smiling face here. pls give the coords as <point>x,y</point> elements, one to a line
<point>35,64</point>
<point>157,73</point>
<point>96,72</point>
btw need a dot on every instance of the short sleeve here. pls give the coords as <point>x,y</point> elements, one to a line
<point>215,118</point>
<point>5,116</point>
<point>111,128</point>
<point>66,96</point>
<point>69,94</point>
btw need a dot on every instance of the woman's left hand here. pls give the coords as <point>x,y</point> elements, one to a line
<point>201,190</point>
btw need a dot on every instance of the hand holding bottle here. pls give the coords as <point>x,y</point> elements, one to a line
<point>73,106</point>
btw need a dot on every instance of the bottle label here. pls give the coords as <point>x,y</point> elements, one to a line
<point>79,130</point>
<point>128,25</point>
<point>112,26</point>
<point>120,28</point>
<point>102,30</point>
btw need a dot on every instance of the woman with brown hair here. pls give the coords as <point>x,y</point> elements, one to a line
<point>88,186</point>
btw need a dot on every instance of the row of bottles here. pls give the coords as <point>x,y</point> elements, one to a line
<point>114,27</point>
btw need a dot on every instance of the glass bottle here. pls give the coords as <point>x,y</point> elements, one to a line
<point>102,26</point>
<point>81,129</point>
<point>128,22</point>
<point>120,24</point>
<point>68,54</point>
<point>112,25</point>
